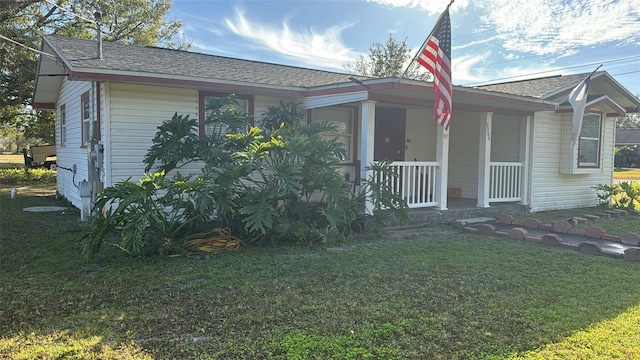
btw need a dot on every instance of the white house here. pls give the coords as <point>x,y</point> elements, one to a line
<point>507,142</point>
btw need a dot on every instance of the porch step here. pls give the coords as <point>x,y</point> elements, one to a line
<point>433,216</point>
<point>425,217</point>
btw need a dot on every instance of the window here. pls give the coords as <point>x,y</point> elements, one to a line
<point>85,115</point>
<point>589,150</point>
<point>343,120</point>
<point>244,106</point>
<point>63,125</point>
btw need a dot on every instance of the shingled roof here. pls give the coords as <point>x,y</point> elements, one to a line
<point>81,55</point>
<point>627,137</point>
<point>539,88</point>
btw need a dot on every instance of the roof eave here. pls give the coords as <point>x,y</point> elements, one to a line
<point>86,74</point>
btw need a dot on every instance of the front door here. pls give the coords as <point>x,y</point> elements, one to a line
<point>389,134</point>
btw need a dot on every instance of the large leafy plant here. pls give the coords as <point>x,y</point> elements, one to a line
<point>277,183</point>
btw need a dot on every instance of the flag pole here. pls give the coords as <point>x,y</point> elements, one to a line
<point>424,43</point>
<point>593,72</point>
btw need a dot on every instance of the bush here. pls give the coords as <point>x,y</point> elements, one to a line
<point>275,184</point>
<point>627,156</point>
<point>623,195</point>
<point>26,175</point>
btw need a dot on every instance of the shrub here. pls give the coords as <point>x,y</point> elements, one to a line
<point>275,184</point>
<point>627,156</point>
<point>623,195</point>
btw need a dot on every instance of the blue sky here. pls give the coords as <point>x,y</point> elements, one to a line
<point>493,40</point>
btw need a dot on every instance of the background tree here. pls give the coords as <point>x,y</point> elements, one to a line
<point>631,121</point>
<point>139,22</point>
<point>388,60</point>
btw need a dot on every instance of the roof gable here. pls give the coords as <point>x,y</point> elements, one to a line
<point>537,88</point>
<point>557,88</point>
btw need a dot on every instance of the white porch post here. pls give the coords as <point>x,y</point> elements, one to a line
<point>442,171</point>
<point>525,156</point>
<point>367,126</point>
<point>484,159</point>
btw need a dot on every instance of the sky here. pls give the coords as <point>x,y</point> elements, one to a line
<point>492,40</point>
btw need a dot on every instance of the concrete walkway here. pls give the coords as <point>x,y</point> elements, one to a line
<point>592,240</point>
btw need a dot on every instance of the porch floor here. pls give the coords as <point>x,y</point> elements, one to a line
<point>461,208</point>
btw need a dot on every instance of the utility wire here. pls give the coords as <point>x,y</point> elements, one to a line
<point>555,70</point>
<point>27,47</point>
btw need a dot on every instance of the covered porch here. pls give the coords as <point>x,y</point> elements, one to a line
<point>483,156</point>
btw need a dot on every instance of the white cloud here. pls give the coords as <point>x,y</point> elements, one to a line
<point>489,40</point>
<point>558,27</point>
<point>309,46</point>
<point>468,68</point>
<point>430,6</point>
<point>515,73</point>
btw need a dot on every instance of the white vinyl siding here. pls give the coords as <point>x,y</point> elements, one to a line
<point>135,112</point>
<point>71,154</point>
<point>551,189</point>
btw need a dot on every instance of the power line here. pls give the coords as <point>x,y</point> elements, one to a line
<point>555,70</point>
<point>27,47</point>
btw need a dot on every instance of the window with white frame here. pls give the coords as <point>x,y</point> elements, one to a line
<point>590,140</point>
<point>342,118</point>
<point>63,125</point>
<point>85,115</point>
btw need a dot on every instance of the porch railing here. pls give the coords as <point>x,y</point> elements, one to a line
<point>505,181</point>
<point>415,181</point>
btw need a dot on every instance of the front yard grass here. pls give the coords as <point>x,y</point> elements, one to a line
<point>434,293</point>
<point>627,174</point>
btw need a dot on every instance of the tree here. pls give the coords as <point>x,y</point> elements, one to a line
<point>139,22</point>
<point>387,60</point>
<point>631,121</point>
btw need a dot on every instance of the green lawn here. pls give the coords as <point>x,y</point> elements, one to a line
<point>11,160</point>
<point>627,174</point>
<point>433,293</point>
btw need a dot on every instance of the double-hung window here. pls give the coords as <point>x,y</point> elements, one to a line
<point>85,115</point>
<point>63,124</point>
<point>243,106</point>
<point>342,118</point>
<point>590,140</point>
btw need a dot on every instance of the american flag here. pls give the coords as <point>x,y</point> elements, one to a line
<point>436,57</point>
